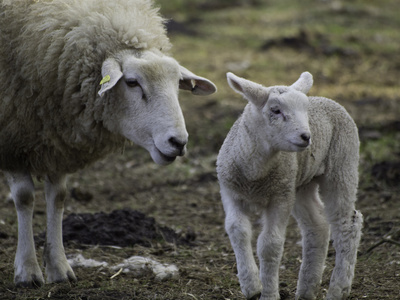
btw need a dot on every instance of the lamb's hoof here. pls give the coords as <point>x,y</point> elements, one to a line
<point>255,297</point>
<point>71,276</point>
<point>270,296</point>
<point>36,282</point>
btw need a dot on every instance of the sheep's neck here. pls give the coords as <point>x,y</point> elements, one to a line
<point>254,157</point>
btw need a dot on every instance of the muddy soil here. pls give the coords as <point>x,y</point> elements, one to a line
<point>123,227</point>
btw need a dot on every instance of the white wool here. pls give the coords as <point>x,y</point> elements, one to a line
<point>138,265</point>
<point>141,265</point>
<point>79,261</point>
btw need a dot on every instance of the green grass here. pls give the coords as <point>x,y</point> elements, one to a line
<point>236,33</point>
<point>381,149</point>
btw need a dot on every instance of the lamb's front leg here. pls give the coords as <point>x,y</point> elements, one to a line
<point>57,267</point>
<point>238,227</point>
<point>27,270</point>
<point>270,248</point>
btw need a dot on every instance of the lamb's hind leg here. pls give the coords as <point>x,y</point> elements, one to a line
<point>346,225</point>
<point>238,227</point>
<point>57,267</point>
<point>27,270</point>
<point>309,213</point>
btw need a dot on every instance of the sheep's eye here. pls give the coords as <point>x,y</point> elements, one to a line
<point>132,83</point>
<point>275,110</point>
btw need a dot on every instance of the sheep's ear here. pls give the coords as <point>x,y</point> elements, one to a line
<point>304,83</point>
<point>196,84</point>
<point>252,91</point>
<point>111,72</point>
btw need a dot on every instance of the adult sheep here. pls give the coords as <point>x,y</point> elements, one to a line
<point>55,118</point>
<point>268,163</point>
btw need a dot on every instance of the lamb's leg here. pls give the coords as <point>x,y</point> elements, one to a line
<point>57,267</point>
<point>309,213</point>
<point>238,227</point>
<point>346,224</point>
<point>270,248</point>
<point>27,270</point>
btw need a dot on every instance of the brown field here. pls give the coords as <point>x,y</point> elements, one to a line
<point>353,50</point>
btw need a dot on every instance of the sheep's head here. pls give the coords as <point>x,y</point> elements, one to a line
<point>142,105</point>
<point>279,113</point>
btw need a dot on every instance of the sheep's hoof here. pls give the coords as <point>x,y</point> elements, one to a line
<point>255,297</point>
<point>36,282</point>
<point>70,277</point>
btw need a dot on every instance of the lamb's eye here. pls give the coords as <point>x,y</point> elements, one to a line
<point>132,83</point>
<point>275,110</point>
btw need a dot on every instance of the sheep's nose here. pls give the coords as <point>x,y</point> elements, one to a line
<point>178,144</point>
<point>305,137</point>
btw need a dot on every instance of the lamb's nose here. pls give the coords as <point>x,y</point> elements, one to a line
<point>178,144</point>
<point>305,137</point>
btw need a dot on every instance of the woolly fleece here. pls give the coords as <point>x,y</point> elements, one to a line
<point>51,53</point>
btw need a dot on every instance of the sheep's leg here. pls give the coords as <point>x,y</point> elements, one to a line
<point>57,267</point>
<point>309,213</point>
<point>346,224</point>
<point>270,247</point>
<point>27,270</point>
<point>238,227</point>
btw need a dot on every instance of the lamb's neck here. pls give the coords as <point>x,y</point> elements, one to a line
<point>254,155</point>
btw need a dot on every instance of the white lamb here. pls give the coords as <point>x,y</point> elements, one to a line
<point>269,164</point>
<point>55,118</point>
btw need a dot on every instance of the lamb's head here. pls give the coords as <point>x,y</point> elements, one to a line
<point>279,114</point>
<point>141,101</point>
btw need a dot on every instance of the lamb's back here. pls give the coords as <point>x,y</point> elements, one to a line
<point>334,137</point>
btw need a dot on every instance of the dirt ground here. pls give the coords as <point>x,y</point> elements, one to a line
<point>126,205</point>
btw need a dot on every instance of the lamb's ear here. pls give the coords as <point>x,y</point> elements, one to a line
<point>111,72</point>
<point>196,84</point>
<point>252,91</point>
<point>304,83</point>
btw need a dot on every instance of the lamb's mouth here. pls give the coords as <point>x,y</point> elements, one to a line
<point>166,157</point>
<point>302,146</point>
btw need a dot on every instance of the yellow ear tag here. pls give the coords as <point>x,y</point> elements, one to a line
<point>105,79</point>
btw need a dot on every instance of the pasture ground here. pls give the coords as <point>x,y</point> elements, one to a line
<point>353,50</point>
